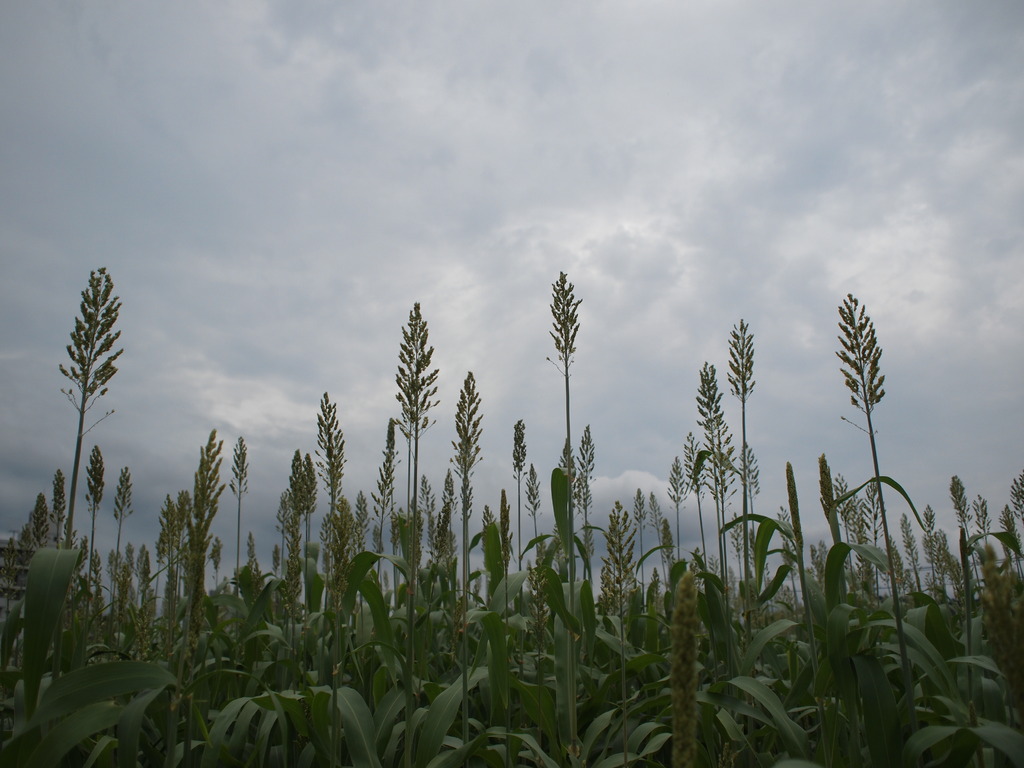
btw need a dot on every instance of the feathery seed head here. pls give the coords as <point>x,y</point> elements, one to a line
<point>685,627</point>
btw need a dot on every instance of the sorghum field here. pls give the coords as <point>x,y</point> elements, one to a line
<point>419,634</point>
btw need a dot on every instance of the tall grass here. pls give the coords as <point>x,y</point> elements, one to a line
<point>532,666</point>
<point>246,681</point>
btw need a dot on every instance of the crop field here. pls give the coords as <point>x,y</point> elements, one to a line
<point>417,632</point>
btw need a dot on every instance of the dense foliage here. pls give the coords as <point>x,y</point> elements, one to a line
<point>548,652</point>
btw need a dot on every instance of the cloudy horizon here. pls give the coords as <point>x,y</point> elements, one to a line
<point>272,186</point>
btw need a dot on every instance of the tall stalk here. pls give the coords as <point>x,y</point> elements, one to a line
<point>122,509</point>
<point>676,494</point>
<point>718,443</point>
<point>694,469</point>
<point>564,306</point>
<point>331,468</point>
<point>417,386</point>
<point>206,494</point>
<point>618,585</point>
<point>92,366</point>
<point>741,384</point>
<point>95,483</point>
<point>384,498</point>
<point>467,456</point>
<point>239,487</point>
<point>583,497</point>
<point>798,536</point>
<point>518,463</point>
<point>860,356</point>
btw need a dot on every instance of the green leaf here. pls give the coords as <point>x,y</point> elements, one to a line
<point>775,584</point>
<point>381,624</point>
<point>440,716</point>
<point>880,479</point>
<point>455,757</point>
<point>588,616</point>
<point>129,727</point>
<point>541,755</point>
<point>217,739</point>
<point>497,667</point>
<point>1005,538</point>
<point>49,574</point>
<point>760,640</point>
<point>259,606</point>
<point>98,682</point>
<point>357,570</point>
<point>493,559</point>
<point>507,591</point>
<point>75,728</point>
<point>1000,737</point>
<point>539,707</point>
<point>314,583</point>
<point>360,734</point>
<point>560,504</point>
<point>11,629</point>
<point>792,735</point>
<point>881,718</point>
<point>554,589</point>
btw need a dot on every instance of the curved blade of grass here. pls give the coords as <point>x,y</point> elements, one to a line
<point>11,629</point>
<point>357,570</point>
<point>96,683</point>
<point>129,727</point>
<point>1005,538</point>
<point>774,524</point>
<point>881,718</point>
<point>458,756</point>
<point>493,561</point>
<point>497,667</point>
<point>542,756</point>
<point>218,740</point>
<point>560,504</point>
<point>880,479</point>
<point>440,717</point>
<point>775,584</point>
<point>539,707</point>
<point>760,640</point>
<point>762,548</point>
<point>1001,737</point>
<point>49,574</point>
<point>385,713</point>
<point>837,644</point>
<point>924,655</point>
<point>588,616</point>
<point>792,735</point>
<point>360,733</point>
<point>929,620</point>
<point>554,589</point>
<point>381,624</point>
<point>258,610</point>
<point>565,684</point>
<point>507,591</point>
<point>74,729</point>
<point>982,662</point>
<point>645,739</point>
<point>597,727</point>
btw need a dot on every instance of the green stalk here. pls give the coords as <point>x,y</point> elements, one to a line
<point>794,512</point>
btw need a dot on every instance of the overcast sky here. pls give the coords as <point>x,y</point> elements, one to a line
<point>272,185</point>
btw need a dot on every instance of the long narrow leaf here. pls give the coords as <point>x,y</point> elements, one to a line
<point>360,734</point>
<point>49,574</point>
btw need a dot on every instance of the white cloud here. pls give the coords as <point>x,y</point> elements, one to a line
<point>274,185</point>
